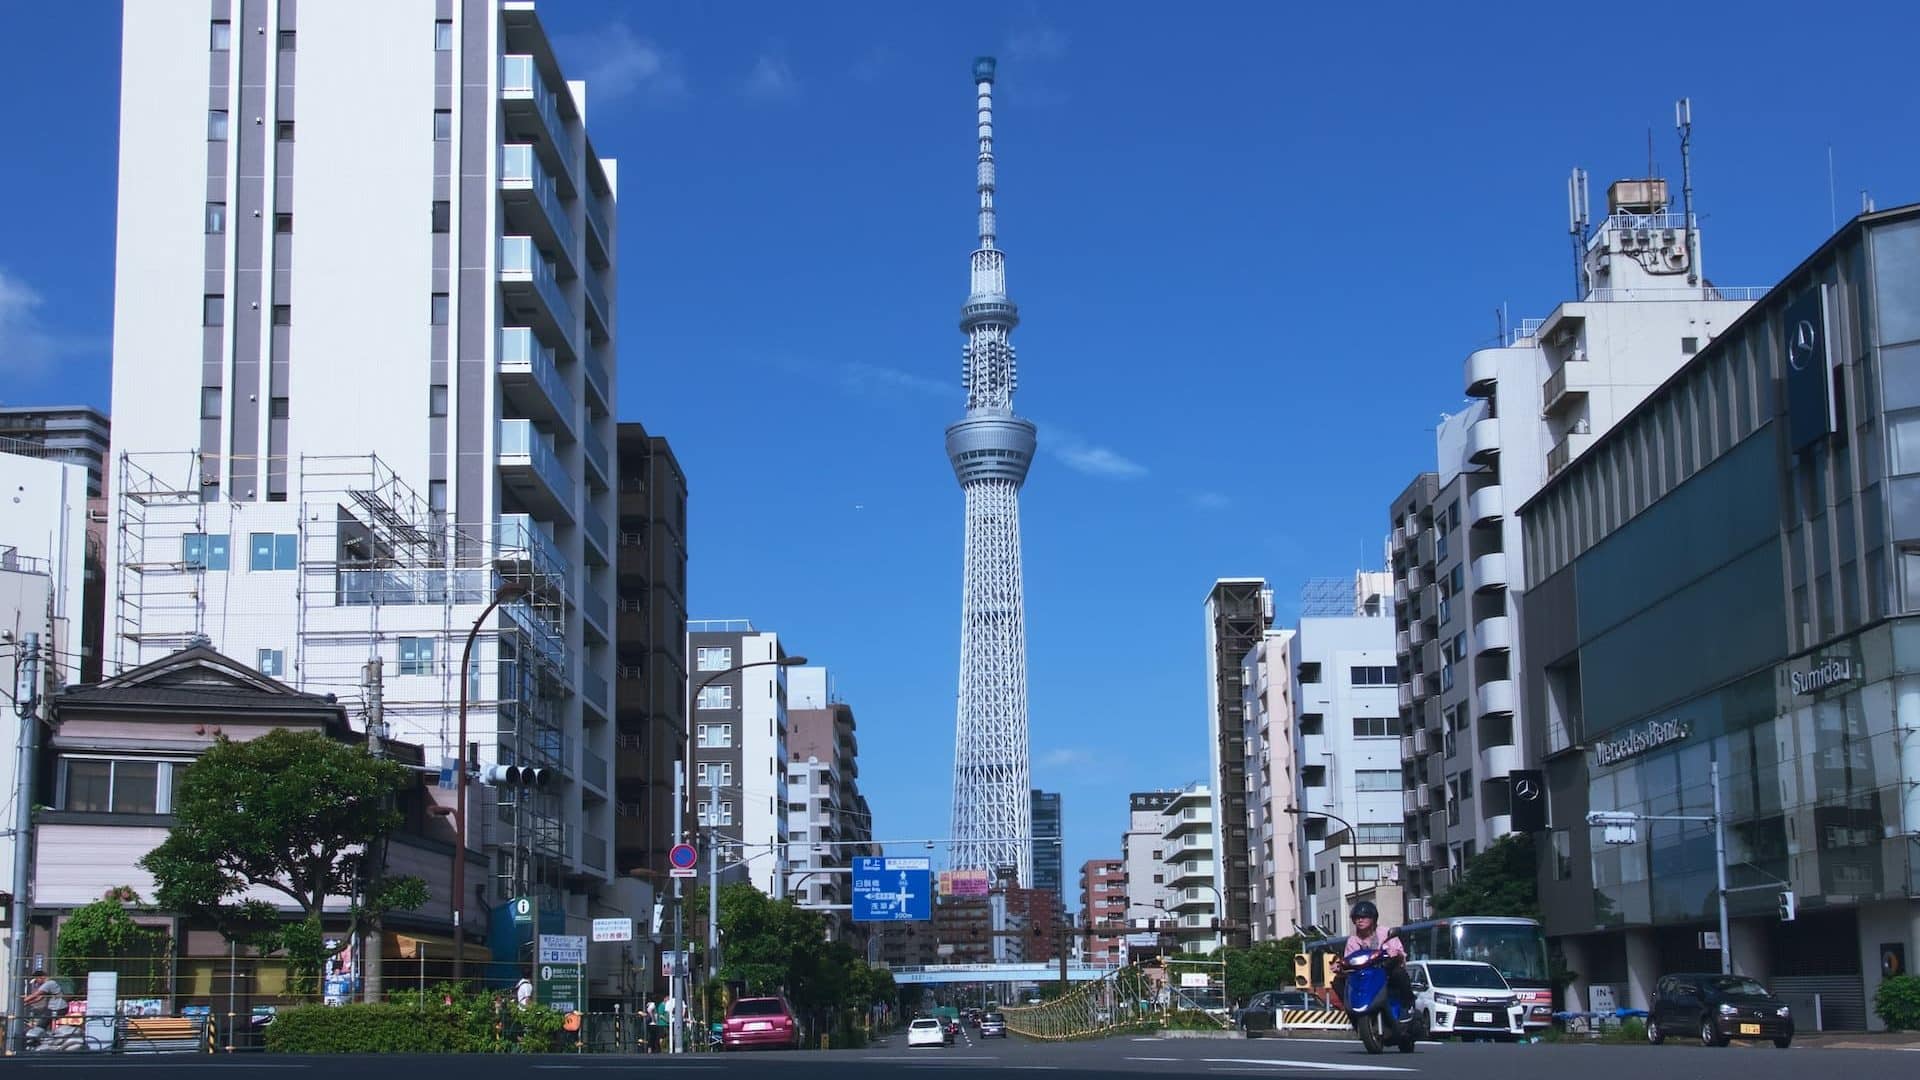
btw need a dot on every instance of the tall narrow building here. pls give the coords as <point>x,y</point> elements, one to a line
<point>991,449</point>
<point>1239,612</point>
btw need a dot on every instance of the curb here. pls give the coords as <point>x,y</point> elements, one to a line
<point>1181,1034</point>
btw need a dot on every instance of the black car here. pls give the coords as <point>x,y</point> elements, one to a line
<point>1717,1008</point>
<point>1257,1013</point>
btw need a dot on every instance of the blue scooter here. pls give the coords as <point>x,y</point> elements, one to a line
<point>1371,1006</point>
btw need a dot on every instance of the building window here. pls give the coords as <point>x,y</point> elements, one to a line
<point>1689,345</point>
<point>216,218</point>
<point>204,551</point>
<point>213,310</point>
<point>706,812</point>
<point>437,496</point>
<point>1379,833</point>
<point>1446,676</point>
<point>286,40</point>
<point>1372,676</point>
<point>273,551</point>
<point>209,403</point>
<point>715,697</point>
<point>1446,610</point>
<point>437,311</point>
<point>272,662</point>
<point>277,408</point>
<point>437,399</point>
<point>1376,727</point>
<point>283,131</point>
<point>716,774</point>
<point>1440,547</point>
<point>283,314</point>
<point>715,736</point>
<point>1457,579</point>
<point>713,659</point>
<point>283,223</point>
<point>443,35</point>
<point>221,37</point>
<point>442,124</point>
<point>416,656</point>
<point>1376,780</point>
<point>100,785</point>
<point>442,215</point>
<point>216,125</point>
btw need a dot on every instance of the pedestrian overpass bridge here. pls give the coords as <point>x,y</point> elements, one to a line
<point>911,974</point>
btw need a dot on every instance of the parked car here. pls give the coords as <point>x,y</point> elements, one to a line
<point>1465,998</point>
<point>1718,1008</point>
<point>993,1025</point>
<point>761,1021</point>
<point>927,1031</point>
<point>1258,1013</point>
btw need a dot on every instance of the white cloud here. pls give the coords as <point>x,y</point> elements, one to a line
<point>878,61</point>
<point>1084,457</point>
<point>1065,757</point>
<point>771,79</point>
<point>1036,42</point>
<point>859,378</point>
<point>27,346</point>
<point>617,63</point>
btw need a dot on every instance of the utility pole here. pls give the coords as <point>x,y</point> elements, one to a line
<point>26,702</point>
<point>713,882</point>
<point>1622,828</point>
<point>679,940</point>
<point>370,957</point>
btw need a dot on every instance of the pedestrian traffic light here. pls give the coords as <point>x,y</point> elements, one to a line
<point>659,915</point>
<point>1789,907</point>
<point>1302,970</point>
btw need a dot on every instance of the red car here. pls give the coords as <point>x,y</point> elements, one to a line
<point>761,1021</point>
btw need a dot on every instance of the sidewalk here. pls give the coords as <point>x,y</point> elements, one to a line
<point>1859,1040</point>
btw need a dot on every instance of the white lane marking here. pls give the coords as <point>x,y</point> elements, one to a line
<point>1328,1066</point>
<point>1152,1059</point>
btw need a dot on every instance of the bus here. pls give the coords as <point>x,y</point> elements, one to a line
<point>1514,946</point>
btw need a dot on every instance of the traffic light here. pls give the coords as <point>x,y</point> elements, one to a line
<point>531,776</point>
<point>1302,971</point>
<point>1788,906</point>
<point>1326,968</point>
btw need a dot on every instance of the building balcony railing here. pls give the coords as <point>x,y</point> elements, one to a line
<point>599,312</point>
<point>593,611</point>
<point>532,111</point>
<point>593,851</point>
<point>1497,762</point>
<point>599,237</point>
<point>1483,372</point>
<point>1567,383</point>
<point>1486,506</point>
<point>593,770</point>
<point>1569,447</point>
<point>532,293</point>
<point>1490,571</point>
<point>599,387</point>
<point>532,382</point>
<point>1483,440</point>
<point>518,537</point>
<point>596,454</point>
<point>1495,697</point>
<point>1493,635</point>
<point>598,535</point>
<point>531,200</point>
<point>593,691</point>
<point>529,466</point>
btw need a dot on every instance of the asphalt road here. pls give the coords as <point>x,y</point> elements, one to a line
<point>1286,1058</point>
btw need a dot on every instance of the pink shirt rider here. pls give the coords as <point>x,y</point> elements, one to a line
<point>1378,941</point>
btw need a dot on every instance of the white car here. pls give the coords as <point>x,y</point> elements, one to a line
<point>1466,998</point>
<point>926,1031</point>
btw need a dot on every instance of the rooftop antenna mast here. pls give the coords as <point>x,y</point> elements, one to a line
<point>1577,220</point>
<point>1683,120</point>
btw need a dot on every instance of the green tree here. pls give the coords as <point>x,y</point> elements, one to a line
<point>1502,880</point>
<point>294,813</point>
<point>1265,965</point>
<point>101,936</point>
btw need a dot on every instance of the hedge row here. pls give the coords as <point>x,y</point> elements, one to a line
<point>430,1026</point>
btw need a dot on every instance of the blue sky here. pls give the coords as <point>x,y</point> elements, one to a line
<point>1253,244</point>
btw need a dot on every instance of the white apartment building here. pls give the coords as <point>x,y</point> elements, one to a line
<point>1273,787</point>
<point>1348,720</point>
<point>44,531</point>
<point>363,383</point>
<point>1538,400</point>
<point>740,726</point>
<point>1188,859</point>
<point>1142,858</point>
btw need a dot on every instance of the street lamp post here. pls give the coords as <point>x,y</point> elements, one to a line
<point>506,593</point>
<point>1353,840</point>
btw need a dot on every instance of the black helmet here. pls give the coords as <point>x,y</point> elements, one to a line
<point>1364,909</point>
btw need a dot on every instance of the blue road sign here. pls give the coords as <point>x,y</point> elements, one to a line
<point>892,889</point>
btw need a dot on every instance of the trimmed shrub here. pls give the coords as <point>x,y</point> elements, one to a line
<point>366,1029</point>
<point>1897,1002</point>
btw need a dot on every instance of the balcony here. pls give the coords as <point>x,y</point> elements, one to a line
<point>518,539</point>
<point>1486,506</point>
<point>1402,592</point>
<point>532,115</point>
<point>599,388</point>
<point>1565,387</point>
<point>1192,899</point>
<point>1499,825</point>
<point>1403,643</point>
<point>1421,746</point>
<point>593,612</point>
<point>530,203</point>
<point>1483,371</point>
<point>1483,441</point>
<point>1493,697</point>
<point>1497,761</point>
<point>1423,798</point>
<point>531,293</point>
<point>1399,535</point>
<point>1417,633</point>
<point>1181,876</point>
<point>532,471</point>
<point>1489,572</point>
<point>596,454</point>
<point>599,538</point>
<point>593,692</point>
<point>1406,694</point>
<point>593,770</point>
<point>599,312</point>
<point>1493,635</point>
<point>1410,801</point>
<point>530,381</point>
<point>593,851</point>
<point>1571,446</point>
<point>599,236</point>
<point>1417,577</point>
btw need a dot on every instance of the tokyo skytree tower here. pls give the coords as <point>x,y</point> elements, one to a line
<point>990,450</point>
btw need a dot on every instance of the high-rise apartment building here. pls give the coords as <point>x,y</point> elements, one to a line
<point>740,727</point>
<point>650,677</point>
<point>1239,611</point>
<point>1047,851</point>
<point>1273,787</point>
<point>1541,397</point>
<point>1142,854</point>
<point>1103,907</point>
<point>1187,828</point>
<point>77,434</point>
<point>1349,725</point>
<point>828,818</point>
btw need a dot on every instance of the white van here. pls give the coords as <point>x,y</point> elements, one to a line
<point>1465,998</point>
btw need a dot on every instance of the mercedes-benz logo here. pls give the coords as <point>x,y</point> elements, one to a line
<point>1525,789</point>
<point>1801,348</point>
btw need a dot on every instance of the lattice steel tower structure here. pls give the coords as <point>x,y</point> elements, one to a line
<point>990,449</point>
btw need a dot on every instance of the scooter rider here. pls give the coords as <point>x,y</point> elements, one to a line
<point>1367,935</point>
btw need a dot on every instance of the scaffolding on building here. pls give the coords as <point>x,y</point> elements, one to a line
<point>1326,598</point>
<point>160,602</point>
